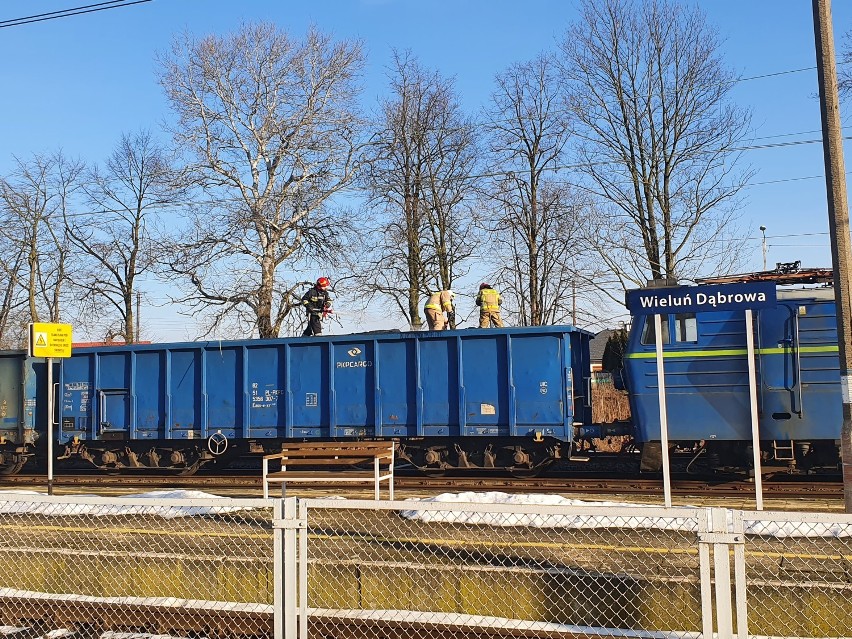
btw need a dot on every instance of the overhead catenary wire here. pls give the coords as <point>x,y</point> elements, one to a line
<point>564,167</point>
<point>356,189</point>
<point>777,73</point>
<point>119,3</point>
<point>113,4</point>
<point>67,13</point>
<point>122,3</point>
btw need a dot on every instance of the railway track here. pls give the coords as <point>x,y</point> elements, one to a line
<point>784,486</point>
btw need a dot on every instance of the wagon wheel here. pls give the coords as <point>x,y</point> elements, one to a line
<point>527,472</point>
<point>12,469</point>
<point>520,472</point>
<point>189,470</point>
<point>429,471</point>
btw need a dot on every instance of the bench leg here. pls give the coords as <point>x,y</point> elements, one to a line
<point>376,483</point>
<point>390,471</point>
<point>265,484</point>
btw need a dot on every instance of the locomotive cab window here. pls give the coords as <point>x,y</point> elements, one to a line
<point>648,336</point>
<point>686,328</point>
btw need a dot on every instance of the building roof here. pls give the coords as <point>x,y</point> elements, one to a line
<point>598,344</point>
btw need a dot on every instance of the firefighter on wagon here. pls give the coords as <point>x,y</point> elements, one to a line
<point>317,303</point>
<point>488,300</point>
<point>435,307</point>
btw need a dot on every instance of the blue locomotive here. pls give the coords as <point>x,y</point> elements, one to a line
<point>707,384</point>
<point>514,398</point>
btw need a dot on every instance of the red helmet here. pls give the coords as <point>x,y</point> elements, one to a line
<point>484,285</point>
<point>323,282</point>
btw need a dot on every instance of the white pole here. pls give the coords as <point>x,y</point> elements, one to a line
<point>664,424</point>
<point>49,362</point>
<point>752,392</point>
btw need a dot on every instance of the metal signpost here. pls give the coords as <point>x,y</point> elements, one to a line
<point>664,420</point>
<point>752,397</point>
<point>702,299</point>
<point>49,341</point>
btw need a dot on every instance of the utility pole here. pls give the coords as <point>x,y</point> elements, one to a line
<point>138,307</point>
<point>574,303</point>
<point>838,218</point>
<point>763,230</point>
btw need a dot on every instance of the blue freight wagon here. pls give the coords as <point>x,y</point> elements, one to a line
<point>505,398</point>
<point>707,384</point>
<point>22,402</point>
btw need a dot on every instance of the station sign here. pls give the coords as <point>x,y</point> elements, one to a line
<point>701,299</point>
<point>50,340</point>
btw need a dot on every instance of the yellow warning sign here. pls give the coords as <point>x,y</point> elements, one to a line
<point>50,340</point>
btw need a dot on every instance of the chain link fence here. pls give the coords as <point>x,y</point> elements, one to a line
<point>181,567</point>
<point>334,568</point>
<point>420,569</point>
<point>793,574</point>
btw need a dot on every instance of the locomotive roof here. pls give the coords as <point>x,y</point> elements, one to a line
<point>783,274</point>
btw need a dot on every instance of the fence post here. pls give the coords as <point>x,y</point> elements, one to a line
<point>721,540</point>
<point>715,533</point>
<point>286,524</point>
<point>303,572</point>
<point>706,573</point>
<point>277,569</point>
<point>738,529</point>
<point>290,572</point>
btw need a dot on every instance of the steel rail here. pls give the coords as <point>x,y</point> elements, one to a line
<point>788,487</point>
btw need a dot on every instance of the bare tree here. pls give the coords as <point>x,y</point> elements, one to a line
<point>450,206</point>
<point>423,156</point>
<point>13,255</point>
<point>844,66</point>
<point>270,125</point>
<point>113,235</point>
<point>659,138</point>
<point>536,217</point>
<point>33,201</point>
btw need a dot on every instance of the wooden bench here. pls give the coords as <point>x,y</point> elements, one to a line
<point>322,455</point>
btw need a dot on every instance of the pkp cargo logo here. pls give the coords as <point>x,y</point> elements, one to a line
<point>360,363</point>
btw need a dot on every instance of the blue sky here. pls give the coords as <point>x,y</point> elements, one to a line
<point>78,83</point>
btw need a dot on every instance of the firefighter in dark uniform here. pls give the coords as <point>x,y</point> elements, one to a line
<point>317,303</point>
